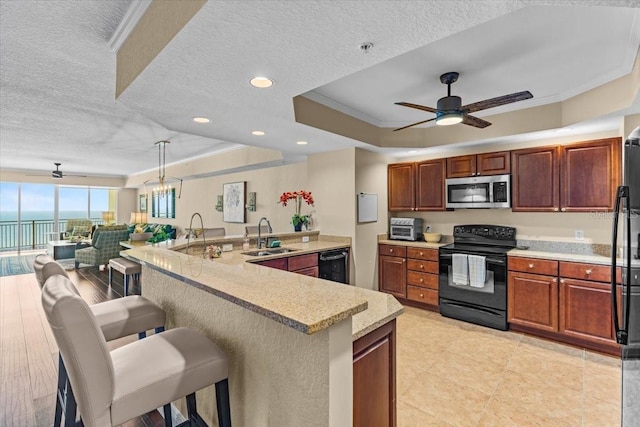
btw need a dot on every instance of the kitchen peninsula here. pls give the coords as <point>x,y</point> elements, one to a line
<point>290,338</point>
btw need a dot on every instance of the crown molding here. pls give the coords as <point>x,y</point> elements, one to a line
<point>128,23</point>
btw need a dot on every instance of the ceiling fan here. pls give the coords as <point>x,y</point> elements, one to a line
<point>451,111</point>
<point>57,173</point>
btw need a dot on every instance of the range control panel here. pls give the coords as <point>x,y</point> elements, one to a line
<point>479,233</point>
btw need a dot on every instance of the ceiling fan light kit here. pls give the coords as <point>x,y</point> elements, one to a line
<point>450,110</point>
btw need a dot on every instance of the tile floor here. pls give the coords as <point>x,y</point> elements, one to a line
<point>452,373</point>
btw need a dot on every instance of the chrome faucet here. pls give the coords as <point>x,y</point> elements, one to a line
<point>269,230</point>
<point>195,235</point>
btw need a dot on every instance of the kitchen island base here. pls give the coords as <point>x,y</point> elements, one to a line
<point>278,376</point>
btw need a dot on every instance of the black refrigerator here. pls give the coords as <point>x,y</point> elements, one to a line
<point>626,301</point>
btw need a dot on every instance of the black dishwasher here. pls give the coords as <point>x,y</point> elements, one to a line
<point>334,265</point>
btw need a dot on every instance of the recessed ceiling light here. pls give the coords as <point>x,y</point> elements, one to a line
<point>261,82</point>
<point>302,142</point>
<point>257,133</point>
<point>201,120</point>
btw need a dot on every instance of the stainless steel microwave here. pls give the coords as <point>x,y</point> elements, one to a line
<point>479,192</point>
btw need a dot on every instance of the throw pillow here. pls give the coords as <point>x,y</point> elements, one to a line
<point>80,230</point>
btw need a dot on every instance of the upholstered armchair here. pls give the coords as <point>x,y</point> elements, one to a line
<point>77,228</point>
<point>105,245</point>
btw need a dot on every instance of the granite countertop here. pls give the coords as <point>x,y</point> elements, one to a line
<point>301,302</point>
<point>412,243</point>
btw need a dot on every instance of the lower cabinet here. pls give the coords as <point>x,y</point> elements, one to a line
<point>302,264</point>
<point>533,301</point>
<point>374,378</point>
<point>569,302</point>
<point>392,270</point>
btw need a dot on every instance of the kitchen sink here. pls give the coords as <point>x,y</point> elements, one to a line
<point>269,251</point>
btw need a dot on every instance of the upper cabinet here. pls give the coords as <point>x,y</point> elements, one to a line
<point>417,186</point>
<point>498,163</point>
<point>590,175</point>
<point>571,178</point>
<point>535,181</point>
<point>401,186</point>
<point>430,192</point>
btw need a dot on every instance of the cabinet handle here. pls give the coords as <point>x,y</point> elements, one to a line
<point>588,272</point>
<point>555,280</point>
<point>563,209</point>
<point>422,266</point>
<point>421,280</point>
<point>555,209</point>
<point>562,281</point>
<point>421,295</point>
<point>391,250</point>
<point>421,254</point>
<point>530,265</point>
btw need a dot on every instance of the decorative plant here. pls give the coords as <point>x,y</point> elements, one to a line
<point>298,197</point>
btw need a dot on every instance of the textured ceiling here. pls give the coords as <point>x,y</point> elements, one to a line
<point>57,71</point>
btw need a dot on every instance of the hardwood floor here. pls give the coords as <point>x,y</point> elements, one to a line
<point>28,351</point>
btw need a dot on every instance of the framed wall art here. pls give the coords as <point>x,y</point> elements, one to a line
<point>143,203</point>
<point>234,195</point>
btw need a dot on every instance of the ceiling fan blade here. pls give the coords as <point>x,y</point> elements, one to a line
<point>475,121</point>
<point>496,102</point>
<point>414,124</point>
<point>418,107</point>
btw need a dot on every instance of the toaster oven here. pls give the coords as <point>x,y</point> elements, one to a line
<point>405,228</point>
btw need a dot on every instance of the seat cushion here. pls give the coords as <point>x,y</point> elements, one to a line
<point>161,368</point>
<point>126,316</point>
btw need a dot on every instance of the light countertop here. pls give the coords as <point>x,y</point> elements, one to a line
<point>558,256</point>
<point>301,302</point>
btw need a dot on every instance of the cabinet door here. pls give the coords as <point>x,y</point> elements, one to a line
<point>498,163</point>
<point>309,271</point>
<point>533,301</point>
<point>585,310</point>
<point>590,175</point>
<point>461,166</point>
<point>279,263</point>
<point>534,181</point>
<point>392,276</point>
<point>430,191</point>
<point>374,378</point>
<point>401,186</point>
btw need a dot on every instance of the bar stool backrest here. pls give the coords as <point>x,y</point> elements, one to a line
<point>83,348</point>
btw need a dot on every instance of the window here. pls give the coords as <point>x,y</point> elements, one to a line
<point>163,205</point>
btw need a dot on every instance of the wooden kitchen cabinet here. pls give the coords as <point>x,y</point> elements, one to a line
<point>401,186</point>
<point>392,271</point>
<point>535,181</point>
<point>498,163</point>
<point>374,378</point>
<point>304,264</point>
<point>585,304</point>
<point>532,301</point>
<point>422,276</point>
<point>580,177</point>
<point>589,175</point>
<point>430,185</point>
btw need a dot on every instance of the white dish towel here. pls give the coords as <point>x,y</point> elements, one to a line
<point>460,267</point>
<point>477,271</point>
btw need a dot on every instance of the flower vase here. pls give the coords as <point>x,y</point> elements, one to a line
<point>298,226</point>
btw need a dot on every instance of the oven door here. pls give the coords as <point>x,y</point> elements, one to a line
<point>492,295</point>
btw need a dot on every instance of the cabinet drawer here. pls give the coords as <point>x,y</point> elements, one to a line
<point>303,261</point>
<point>423,280</point>
<point>425,266</point>
<point>427,296</point>
<point>595,272</point>
<point>534,265</point>
<point>279,263</point>
<point>309,271</point>
<point>392,250</point>
<point>420,253</point>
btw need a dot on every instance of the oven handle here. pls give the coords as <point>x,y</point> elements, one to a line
<point>489,260</point>
<point>473,308</point>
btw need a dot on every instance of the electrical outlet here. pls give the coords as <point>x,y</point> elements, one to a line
<point>579,234</point>
<point>305,239</point>
<point>227,248</point>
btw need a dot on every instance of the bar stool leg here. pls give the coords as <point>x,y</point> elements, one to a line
<point>168,421</point>
<point>62,382</point>
<point>126,284</point>
<point>222,403</point>
<point>110,275</point>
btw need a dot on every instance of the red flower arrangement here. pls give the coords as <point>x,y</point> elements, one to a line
<point>298,196</point>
